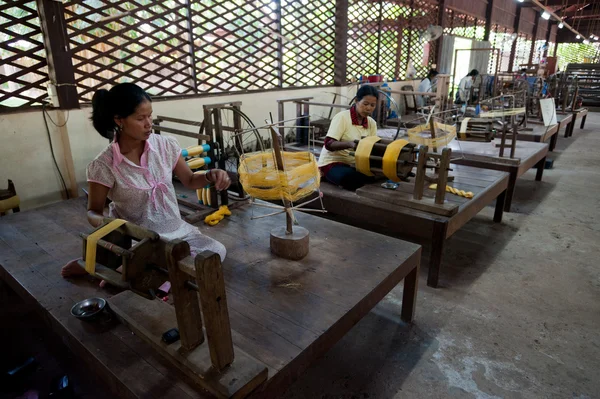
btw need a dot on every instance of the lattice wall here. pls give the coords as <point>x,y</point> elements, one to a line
<point>363,25</point>
<point>500,38</point>
<point>384,36</point>
<point>577,53</point>
<point>522,52</point>
<point>147,43</point>
<point>309,42</point>
<point>463,25</point>
<point>236,45</point>
<point>23,66</point>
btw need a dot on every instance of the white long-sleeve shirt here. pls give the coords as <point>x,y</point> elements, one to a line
<point>463,88</point>
<point>424,87</point>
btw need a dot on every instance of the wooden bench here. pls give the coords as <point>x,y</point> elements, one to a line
<point>285,314</point>
<point>375,208</point>
<point>486,155</point>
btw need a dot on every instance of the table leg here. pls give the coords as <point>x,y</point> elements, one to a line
<point>583,122</point>
<point>540,169</point>
<point>510,190</point>
<point>438,238</point>
<point>572,126</point>
<point>409,294</point>
<point>553,141</point>
<point>568,128</point>
<point>499,211</point>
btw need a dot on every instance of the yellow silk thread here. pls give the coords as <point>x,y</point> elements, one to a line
<point>363,153</point>
<point>390,159</point>
<point>92,240</point>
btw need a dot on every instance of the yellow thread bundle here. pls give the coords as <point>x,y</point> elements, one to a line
<point>501,113</point>
<point>217,216</point>
<point>422,134</point>
<point>390,159</point>
<point>363,153</point>
<point>260,178</point>
<point>92,240</point>
<point>10,203</point>
<point>461,193</point>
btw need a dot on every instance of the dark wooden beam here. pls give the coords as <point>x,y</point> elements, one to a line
<point>341,42</point>
<point>513,49</point>
<point>488,19</point>
<point>548,33</point>
<point>536,26</point>
<point>440,22</point>
<point>58,54</point>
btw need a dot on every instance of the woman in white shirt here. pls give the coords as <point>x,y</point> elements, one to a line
<point>462,96</point>
<point>425,86</point>
<point>336,161</point>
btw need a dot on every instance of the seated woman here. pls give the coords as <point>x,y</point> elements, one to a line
<point>135,172</point>
<point>335,162</point>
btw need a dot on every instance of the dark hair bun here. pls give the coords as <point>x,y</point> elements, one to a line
<point>102,115</point>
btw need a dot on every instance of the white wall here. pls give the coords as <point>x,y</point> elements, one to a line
<point>25,153</point>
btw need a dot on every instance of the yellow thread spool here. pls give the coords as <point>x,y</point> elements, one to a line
<point>363,153</point>
<point>92,240</point>
<point>390,159</point>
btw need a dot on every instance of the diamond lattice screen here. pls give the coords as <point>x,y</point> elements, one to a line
<point>500,38</point>
<point>577,53</point>
<point>23,66</point>
<point>143,41</point>
<point>422,53</point>
<point>467,26</point>
<point>522,52</point>
<point>384,37</point>
<point>308,30</point>
<point>237,45</point>
<point>363,27</point>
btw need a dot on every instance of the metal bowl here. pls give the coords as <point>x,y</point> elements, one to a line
<point>389,185</point>
<point>88,309</point>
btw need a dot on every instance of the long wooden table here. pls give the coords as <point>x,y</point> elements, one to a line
<point>375,208</point>
<point>486,155</point>
<point>538,133</point>
<point>283,313</point>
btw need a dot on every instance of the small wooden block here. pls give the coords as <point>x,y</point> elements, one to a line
<point>290,246</point>
<point>149,319</point>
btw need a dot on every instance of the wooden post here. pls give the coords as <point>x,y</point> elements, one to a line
<point>209,276</point>
<point>489,10</point>
<point>187,308</point>
<point>340,56</point>
<point>535,34</point>
<point>420,178</point>
<point>58,54</point>
<point>440,22</point>
<point>513,48</point>
<point>280,117</point>
<point>67,155</point>
<point>279,161</point>
<point>440,192</point>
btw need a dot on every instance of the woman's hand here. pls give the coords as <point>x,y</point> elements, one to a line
<point>219,178</point>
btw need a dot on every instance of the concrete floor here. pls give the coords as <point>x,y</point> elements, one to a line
<point>519,312</point>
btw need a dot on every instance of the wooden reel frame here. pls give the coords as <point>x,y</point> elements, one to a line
<point>197,286</point>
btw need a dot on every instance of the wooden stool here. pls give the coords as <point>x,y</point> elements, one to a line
<point>9,199</point>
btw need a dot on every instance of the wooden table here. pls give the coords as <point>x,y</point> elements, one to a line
<point>578,114</point>
<point>377,209</point>
<point>283,313</point>
<point>538,133</point>
<point>485,155</point>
